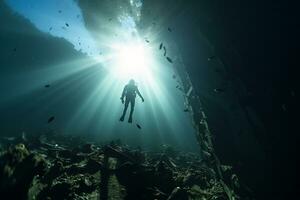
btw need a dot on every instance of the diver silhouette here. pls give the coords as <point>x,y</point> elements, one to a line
<point>130,90</point>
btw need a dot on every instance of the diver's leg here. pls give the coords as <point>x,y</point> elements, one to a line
<point>125,109</point>
<point>132,103</point>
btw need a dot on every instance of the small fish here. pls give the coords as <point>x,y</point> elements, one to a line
<point>186,110</point>
<point>169,29</point>
<point>50,28</point>
<point>47,86</point>
<point>109,19</point>
<point>67,24</point>
<point>211,58</point>
<point>160,46</point>
<point>51,119</point>
<point>15,49</point>
<point>219,90</point>
<point>139,127</point>
<point>147,41</point>
<point>59,11</point>
<point>174,76</point>
<point>165,53</point>
<point>169,59</point>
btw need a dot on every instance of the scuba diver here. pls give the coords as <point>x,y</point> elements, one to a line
<point>130,90</point>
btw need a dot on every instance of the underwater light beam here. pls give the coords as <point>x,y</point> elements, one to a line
<point>132,62</point>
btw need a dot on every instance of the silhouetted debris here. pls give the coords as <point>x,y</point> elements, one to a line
<point>47,85</point>
<point>139,127</point>
<point>58,166</point>
<point>160,46</point>
<point>169,29</point>
<point>51,119</point>
<point>211,58</point>
<point>170,60</point>
<point>67,25</point>
<point>219,90</point>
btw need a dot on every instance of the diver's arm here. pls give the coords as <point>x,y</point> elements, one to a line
<point>123,93</point>
<point>138,92</point>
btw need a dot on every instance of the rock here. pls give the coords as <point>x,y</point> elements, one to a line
<point>18,168</point>
<point>88,148</point>
<point>93,166</point>
<point>86,186</point>
<point>60,190</point>
<point>55,171</point>
<point>178,194</point>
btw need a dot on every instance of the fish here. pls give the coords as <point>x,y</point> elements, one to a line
<point>67,24</point>
<point>139,127</point>
<point>51,119</point>
<point>160,46</point>
<point>211,58</point>
<point>169,29</point>
<point>169,59</point>
<point>47,86</point>
<point>165,53</point>
<point>219,90</point>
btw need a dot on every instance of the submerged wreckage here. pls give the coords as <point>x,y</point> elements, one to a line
<point>57,167</point>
